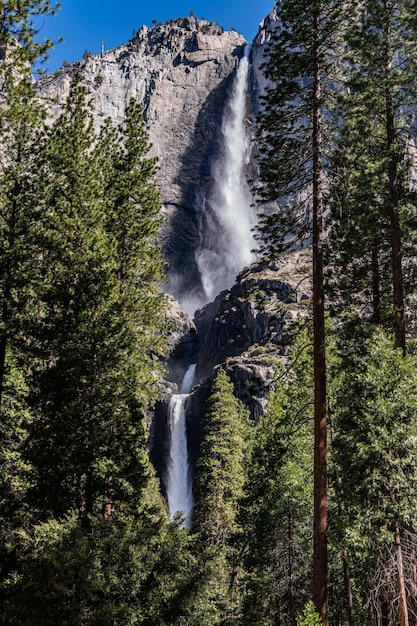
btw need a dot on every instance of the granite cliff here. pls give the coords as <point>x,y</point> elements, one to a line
<point>181,72</point>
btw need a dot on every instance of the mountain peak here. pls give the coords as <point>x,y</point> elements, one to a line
<point>184,33</point>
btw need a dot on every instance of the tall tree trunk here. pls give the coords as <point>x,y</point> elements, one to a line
<point>320,591</point>
<point>402,597</point>
<point>396,259</point>
<point>412,598</point>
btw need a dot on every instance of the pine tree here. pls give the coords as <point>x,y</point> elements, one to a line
<point>21,117</point>
<point>372,194</point>
<point>219,486</point>
<point>277,508</point>
<point>295,134</point>
<point>134,200</point>
<point>19,256</point>
<point>93,380</point>
<point>134,220</point>
<point>221,473</point>
<point>373,400</point>
<point>371,209</point>
<point>358,259</point>
<point>21,122</point>
<point>98,375</point>
<point>77,301</point>
<point>20,44</point>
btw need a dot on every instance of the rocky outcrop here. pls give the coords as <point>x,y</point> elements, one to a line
<point>246,330</point>
<point>180,325</point>
<point>254,312</point>
<point>257,80</point>
<point>181,72</point>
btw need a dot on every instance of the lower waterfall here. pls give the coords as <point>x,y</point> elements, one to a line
<point>179,483</point>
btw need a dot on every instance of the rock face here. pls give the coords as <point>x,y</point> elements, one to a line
<point>258,82</point>
<point>246,330</point>
<point>252,312</point>
<point>181,72</point>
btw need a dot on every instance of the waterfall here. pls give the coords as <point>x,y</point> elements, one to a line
<point>227,218</point>
<point>179,483</point>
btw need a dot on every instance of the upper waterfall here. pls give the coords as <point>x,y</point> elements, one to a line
<point>195,104</point>
<point>227,216</point>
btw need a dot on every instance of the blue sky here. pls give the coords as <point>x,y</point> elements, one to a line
<point>84,24</point>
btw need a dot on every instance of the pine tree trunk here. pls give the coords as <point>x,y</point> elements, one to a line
<point>320,592</point>
<point>402,597</point>
<point>412,598</point>
<point>396,259</point>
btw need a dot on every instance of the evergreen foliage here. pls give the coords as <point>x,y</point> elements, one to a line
<point>220,481</point>
<point>373,193</point>
<point>278,501</point>
<point>309,616</point>
<point>301,64</point>
<point>20,46</point>
<point>221,466</point>
<point>97,542</point>
<point>20,120</point>
<point>374,399</point>
<point>307,37</point>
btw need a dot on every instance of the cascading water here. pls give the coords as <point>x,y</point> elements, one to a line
<point>179,483</point>
<point>227,217</point>
<point>226,243</point>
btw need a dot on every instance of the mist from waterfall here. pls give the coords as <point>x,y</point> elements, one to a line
<point>179,482</point>
<point>226,216</point>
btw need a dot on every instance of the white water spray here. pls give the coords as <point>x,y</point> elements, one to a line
<point>227,216</point>
<point>179,483</point>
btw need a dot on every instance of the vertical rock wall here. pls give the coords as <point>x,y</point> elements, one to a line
<point>181,72</point>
